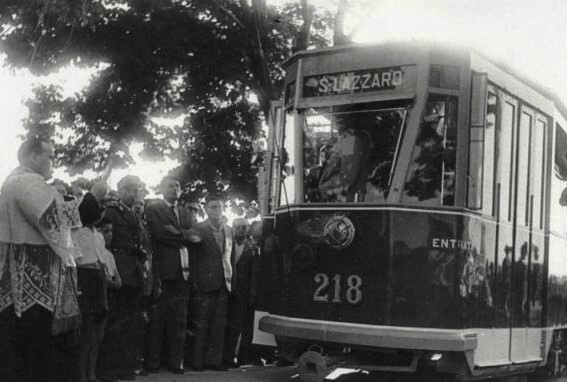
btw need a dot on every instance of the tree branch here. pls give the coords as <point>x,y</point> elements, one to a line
<point>231,15</point>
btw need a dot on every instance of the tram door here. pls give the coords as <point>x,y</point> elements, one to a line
<point>520,267</point>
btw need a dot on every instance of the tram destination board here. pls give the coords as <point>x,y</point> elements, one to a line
<point>360,81</point>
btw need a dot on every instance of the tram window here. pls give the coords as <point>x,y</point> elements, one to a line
<point>481,157</point>
<point>431,175</point>
<point>505,159</point>
<point>524,135</point>
<point>273,183</point>
<point>287,160</point>
<point>560,153</point>
<point>489,147</point>
<point>537,170</point>
<point>349,152</point>
<point>274,148</point>
<point>558,192</point>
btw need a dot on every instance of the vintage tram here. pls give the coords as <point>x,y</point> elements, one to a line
<point>413,216</point>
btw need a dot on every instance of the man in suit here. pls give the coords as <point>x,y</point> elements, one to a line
<point>126,325</point>
<point>169,228</point>
<point>240,321</point>
<point>213,274</point>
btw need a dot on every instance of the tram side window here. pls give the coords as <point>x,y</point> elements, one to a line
<point>524,136</point>
<point>489,148</point>
<point>505,159</point>
<point>287,160</point>
<point>350,152</point>
<point>481,158</point>
<point>431,175</point>
<point>537,171</point>
<point>274,148</point>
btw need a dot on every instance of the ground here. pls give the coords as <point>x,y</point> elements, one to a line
<point>273,374</point>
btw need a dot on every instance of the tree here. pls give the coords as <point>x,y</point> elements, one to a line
<point>203,59</point>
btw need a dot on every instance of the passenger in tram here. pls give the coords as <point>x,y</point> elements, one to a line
<point>343,177</point>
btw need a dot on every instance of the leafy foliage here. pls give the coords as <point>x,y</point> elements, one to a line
<point>159,59</point>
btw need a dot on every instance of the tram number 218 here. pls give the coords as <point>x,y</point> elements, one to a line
<point>351,290</point>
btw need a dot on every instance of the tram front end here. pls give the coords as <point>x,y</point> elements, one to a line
<point>372,259</point>
<point>378,289</point>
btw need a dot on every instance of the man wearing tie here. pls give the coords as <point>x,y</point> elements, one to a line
<point>170,232</point>
<point>213,274</point>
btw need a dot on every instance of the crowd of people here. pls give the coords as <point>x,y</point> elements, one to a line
<point>100,285</point>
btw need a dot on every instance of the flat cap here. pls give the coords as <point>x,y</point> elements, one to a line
<point>130,180</point>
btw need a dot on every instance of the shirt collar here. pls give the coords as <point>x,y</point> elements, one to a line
<point>170,204</point>
<point>126,207</point>
<point>220,229</point>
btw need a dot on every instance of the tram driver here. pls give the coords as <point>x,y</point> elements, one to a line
<point>343,177</point>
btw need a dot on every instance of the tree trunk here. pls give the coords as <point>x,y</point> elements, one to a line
<point>339,36</point>
<point>301,42</point>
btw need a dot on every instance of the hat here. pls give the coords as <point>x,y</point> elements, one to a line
<point>90,210</point>
<point>129,180</point>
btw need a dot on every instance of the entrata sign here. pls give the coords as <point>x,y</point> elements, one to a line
<point>362,81</point>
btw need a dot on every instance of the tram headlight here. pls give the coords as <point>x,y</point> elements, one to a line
<point>436,357</point>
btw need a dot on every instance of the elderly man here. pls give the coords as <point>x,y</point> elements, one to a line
<point>38,302</point>
<point>126,325</point>
<point>240,321</point>
<point>169,228</point>
<point>213,273</point>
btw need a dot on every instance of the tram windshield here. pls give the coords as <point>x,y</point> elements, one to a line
<point>350,151</point>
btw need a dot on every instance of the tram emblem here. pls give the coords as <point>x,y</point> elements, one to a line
<point>339,232</point>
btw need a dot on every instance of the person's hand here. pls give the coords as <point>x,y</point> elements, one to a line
<point>69,262</point>
<point>171,229</point>
<point>157,292</point>
<point>192,235</point>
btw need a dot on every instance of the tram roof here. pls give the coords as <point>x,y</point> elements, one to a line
<point>543,90</point>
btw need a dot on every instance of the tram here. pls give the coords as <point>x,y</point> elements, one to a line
<point>414,215</point>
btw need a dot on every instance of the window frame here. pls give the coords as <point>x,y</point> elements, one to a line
<point>504,99</point>
<point>523,206</point>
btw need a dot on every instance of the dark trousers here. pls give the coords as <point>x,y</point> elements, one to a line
<point>124,333</point>
<point>209,325</point>
<point>90,340</point>
<point>239,329</point>
<point>168,320</point>
<point>28,351</point>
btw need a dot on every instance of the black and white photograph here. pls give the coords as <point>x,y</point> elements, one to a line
<point>283,190</point>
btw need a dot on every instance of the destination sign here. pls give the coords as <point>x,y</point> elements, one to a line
<point>361,81</point>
